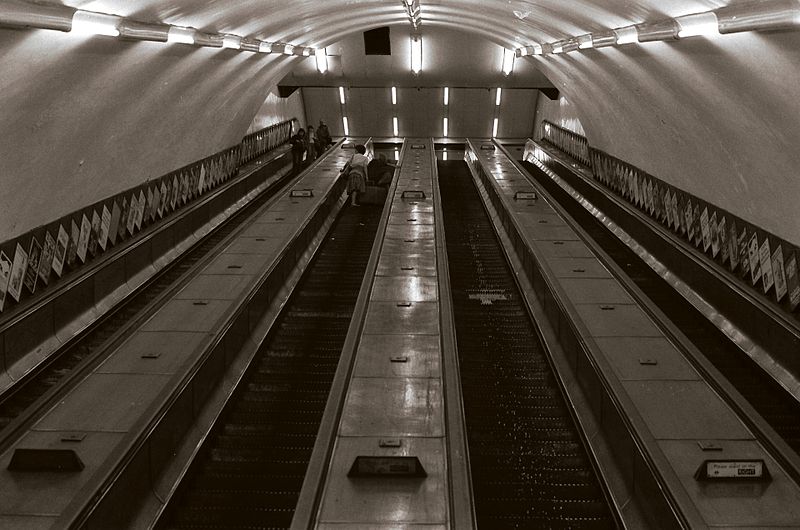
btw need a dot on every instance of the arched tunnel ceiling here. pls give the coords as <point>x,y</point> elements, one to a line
<point>320,22</point>
<point>713,116</point>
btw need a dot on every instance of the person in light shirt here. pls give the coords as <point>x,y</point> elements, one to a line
<point>356,171</point>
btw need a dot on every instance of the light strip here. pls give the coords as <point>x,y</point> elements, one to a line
<point>88,23</point>
<point>627,35</point>
<point>444,126</point>
<point>494,128</point>
<point>321,57</point>
<point>346,126</point>
<point>497,97</point>
<point>446,96</point>
<point>395,128</point>
<point>585,42</point>
<point>508,61</point>
<point>416,54</point>
<point>181,35</point>
<point>394,95</point>
<point>341,95</point>
<point>396,154</point>
<point>697,25</point>
<point>288,49</point>
<point>444,152</point>
<point>232,42</point>
<point>265,47</point>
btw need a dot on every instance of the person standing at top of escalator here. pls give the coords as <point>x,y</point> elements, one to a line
<point>311,144</point>
<point>298,143</point>
<point>323,136</point>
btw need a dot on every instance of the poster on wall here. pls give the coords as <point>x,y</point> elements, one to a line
<point>173,199</point>
<point>32,271</point>
<point>651,205</point>
<point>714,235</point>
<point>722,229</point>
<point>105,226</point>
<point>130,221</point>
<point>116,217</point>
<point>123,219</point>
<point>18,268</point>
<point>201,185</point>
<point>62,242</point>
<point>162,204</point>
<point>698,229</point>
<point>689,216</point>
<point>676,213</point>
<point>779,273</point>
<point>140,210</point>
<point>5,274</point>
<point>184,188</point>
<point>668,208</point>
<point>83,238</point>
<point>156,202</point>
<point>705,229</point>
<point>733,246</point>
<point>792,281</point>
<point>46,261</point>
<point>753,258</point>
<point>72,248</point>
<point>765,258</point>
<point>94,235</point>
<point>148,212</point>
<point>744,253</point>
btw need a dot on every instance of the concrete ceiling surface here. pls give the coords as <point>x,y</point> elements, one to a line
<point>714,116</point>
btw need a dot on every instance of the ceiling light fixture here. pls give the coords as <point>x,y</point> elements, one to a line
<point>508,61</point>
<point>416,54</point>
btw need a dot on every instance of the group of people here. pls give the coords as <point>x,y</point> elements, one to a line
<point>313,143</point>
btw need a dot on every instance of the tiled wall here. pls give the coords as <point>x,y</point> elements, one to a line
<point>34,262</point>
<point>755,256</point>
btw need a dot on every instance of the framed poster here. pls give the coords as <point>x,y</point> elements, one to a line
<point>173,200</point>
<point>753,258</point>
<point>184,187</point>
<point>113,228</point>
<point>676,213</point>
<point>140,210</point>
<point>133,208</point>
<point>32,271</point>
<point>62,242</point>
<point>650,204</point>
<point>733,246</point>
<point>765,258</point>
<point>201,185</point>
<point>83,238</point>
<point>714,235</point>
<point>722,230</point>
<point>18,268</point>
<point>46,261</point>
<point>689,220</point>
<point>792,281</point>
<point>72,248</point>
<point>698,229</point>
<point>744,252</point>
<point>668,208</point>
<point>5,274</point>
<point>105,226</point>
<point>705,230</point>
<point>163,202</point>
<point>94,235</point>
<point>123,219</point>
<point>779,273</point>
<point>148,212</point>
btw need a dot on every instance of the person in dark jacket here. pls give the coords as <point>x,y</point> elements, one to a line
<point>323,137</point>
<point>298,143</point>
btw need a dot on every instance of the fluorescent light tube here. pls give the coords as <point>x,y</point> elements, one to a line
<point>88,23</point>
<point>180,35</point>
<point>697,25</point>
